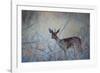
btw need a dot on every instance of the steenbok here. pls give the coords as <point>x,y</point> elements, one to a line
<point>67,43</point>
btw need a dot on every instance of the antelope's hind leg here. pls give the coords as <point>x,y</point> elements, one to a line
<point>76,52</point>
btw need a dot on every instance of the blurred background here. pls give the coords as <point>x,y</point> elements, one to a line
<point>37,44</point>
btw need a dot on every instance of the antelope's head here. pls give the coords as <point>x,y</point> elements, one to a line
<point>54,34</point>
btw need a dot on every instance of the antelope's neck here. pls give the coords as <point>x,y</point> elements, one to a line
<point>57,39</point>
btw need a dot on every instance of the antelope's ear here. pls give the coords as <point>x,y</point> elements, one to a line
<point>50,30</point>
<point>57,30</point>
